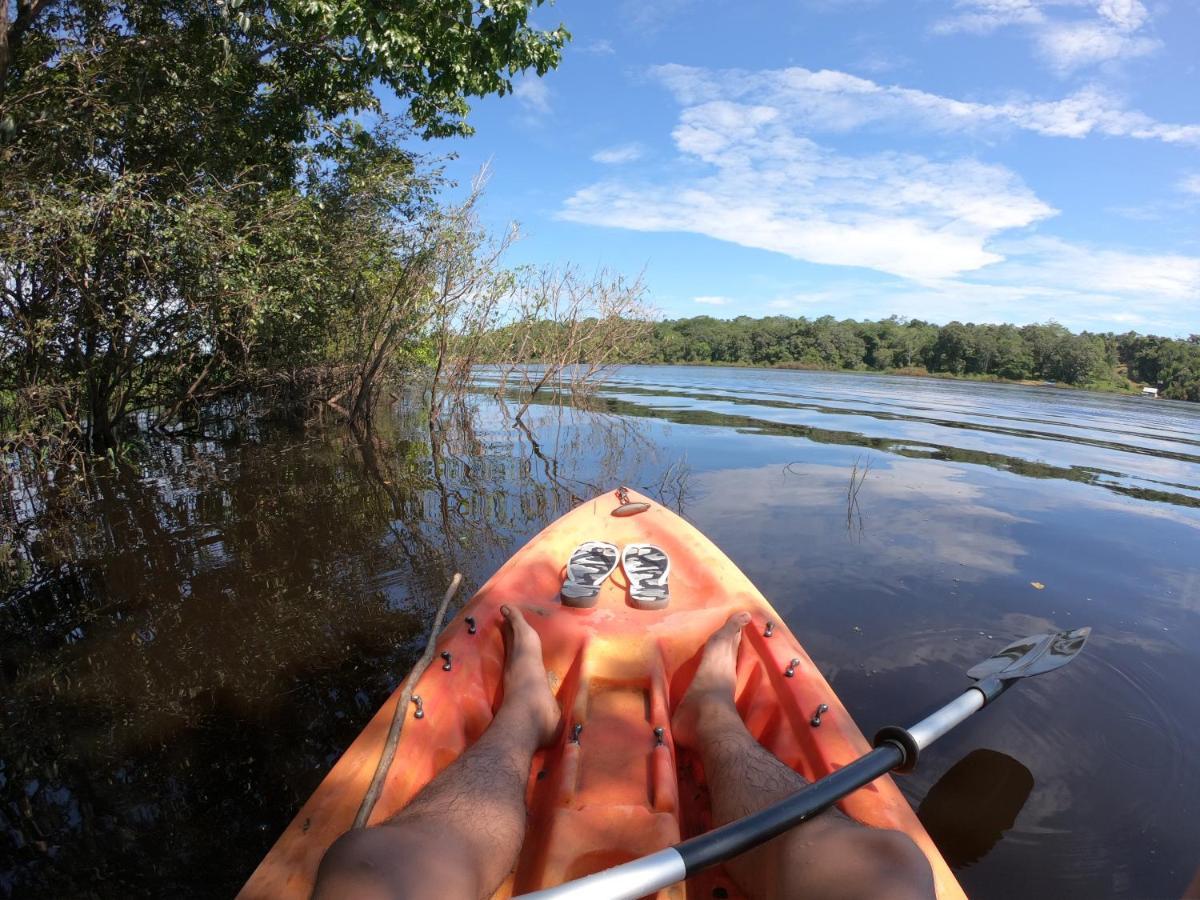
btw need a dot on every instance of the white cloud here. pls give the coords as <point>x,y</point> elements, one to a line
<point>1190,184</point>
<point>533,94</point>
<point>1108,30</point>
<point>1058,264</point>
<point>645,17</point>
<point>832,101</point>
<point>1083,287</point>
<point>985,16</point>
<point>1126,15</point>
<point>600,47</point>
<point>623,153</point>
<point>1070,46</point>
<point>877,62</point>
<point>821,299</point>
<point>712,301</point>
<point>951,233</point>
<point>1017,290</point>
<point>774,189</point>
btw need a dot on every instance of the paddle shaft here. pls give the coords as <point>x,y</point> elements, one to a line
<point>897,747</point>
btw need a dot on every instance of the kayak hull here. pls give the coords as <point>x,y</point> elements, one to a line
<point>617,790</point>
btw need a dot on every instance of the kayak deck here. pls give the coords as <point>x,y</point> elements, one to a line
<point>616,790</point>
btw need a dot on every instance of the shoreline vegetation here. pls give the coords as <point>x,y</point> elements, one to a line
<point>214,231</point>
<point>1133,388</point>
<point>1036,354</point>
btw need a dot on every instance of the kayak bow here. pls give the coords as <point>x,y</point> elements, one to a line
<point>612,787</point>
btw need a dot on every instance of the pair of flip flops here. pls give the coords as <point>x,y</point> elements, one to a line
<point>646,566</point>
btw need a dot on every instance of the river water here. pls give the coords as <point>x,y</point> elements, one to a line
<point>198,639</point>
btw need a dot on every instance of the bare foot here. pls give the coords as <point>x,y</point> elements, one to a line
<point>527,692</point>
<point>710,695</point>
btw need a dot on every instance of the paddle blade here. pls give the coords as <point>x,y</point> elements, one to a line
<point>1032,655</point>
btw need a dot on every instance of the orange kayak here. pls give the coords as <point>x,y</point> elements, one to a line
<point>621,791</point>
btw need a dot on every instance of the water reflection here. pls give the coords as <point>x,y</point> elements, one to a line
<point>197,640</point>
<point>198,646</point>
<point>1130,447</point>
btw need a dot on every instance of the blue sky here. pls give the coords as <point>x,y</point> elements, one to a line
<point>981,160</point>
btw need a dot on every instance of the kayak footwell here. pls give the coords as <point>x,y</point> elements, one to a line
<point>614,789</point>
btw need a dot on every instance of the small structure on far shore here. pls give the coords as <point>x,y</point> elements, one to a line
<point>1149,392</point>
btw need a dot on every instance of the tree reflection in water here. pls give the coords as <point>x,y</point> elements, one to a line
<point>201,637</point>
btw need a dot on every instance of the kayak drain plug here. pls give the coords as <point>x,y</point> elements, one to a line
<point>446,657</point>
<point>791,669</point>
<point>815,721</point>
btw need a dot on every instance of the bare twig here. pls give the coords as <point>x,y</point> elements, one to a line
<point>400,714</point>
<point>857,477</point>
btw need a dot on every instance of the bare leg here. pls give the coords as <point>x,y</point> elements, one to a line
<point>460,836</point>
<point>830,856</point>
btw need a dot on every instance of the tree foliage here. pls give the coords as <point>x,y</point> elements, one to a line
<point>201,196</point>
<point>1042,352</point>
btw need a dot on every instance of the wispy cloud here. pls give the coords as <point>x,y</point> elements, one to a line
<point>1064,291</point>
<point>1062,265</point>
<point>775,189</point>
<point>832,6</point>
<point>1107,29</point>
<point>712,301</point>
<point>953,233</point>
<point>648,17</point>
<point>622,153</point>
<point>533,95</point>
<point>985,16</point>
<point>808,299</point>
<point>1190,184</point>
<point>878,62</point>
<point>1070,46</point>
<point>600,47</point>
<point>832,101</point>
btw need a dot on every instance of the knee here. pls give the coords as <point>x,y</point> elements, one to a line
<point>353,855</point>
<point>394,860</point>
<point>891,865</point>
<point>361,863</point>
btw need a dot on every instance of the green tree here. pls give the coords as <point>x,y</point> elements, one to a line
<point>171,175</point>
<point>952,350</point>
<point>1013,357</point>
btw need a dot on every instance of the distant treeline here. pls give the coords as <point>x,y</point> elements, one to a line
<point>1045,352</point>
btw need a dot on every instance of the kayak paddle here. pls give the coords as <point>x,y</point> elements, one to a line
<point>895,748</point>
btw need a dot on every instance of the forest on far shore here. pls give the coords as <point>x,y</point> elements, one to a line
<point>1044,352</point>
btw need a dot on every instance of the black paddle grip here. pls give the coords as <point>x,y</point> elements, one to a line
<point>902,739</point>
<point>730,840</point>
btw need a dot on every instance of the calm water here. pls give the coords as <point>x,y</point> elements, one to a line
<point>198,642</point>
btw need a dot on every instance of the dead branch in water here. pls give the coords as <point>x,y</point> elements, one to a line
<point>567,331</point>
<point>853,511</point>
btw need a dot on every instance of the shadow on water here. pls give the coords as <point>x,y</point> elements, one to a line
<point>969,809</point>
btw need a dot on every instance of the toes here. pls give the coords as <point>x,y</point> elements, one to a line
<point>733,626</point>
<point>514,623</point>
